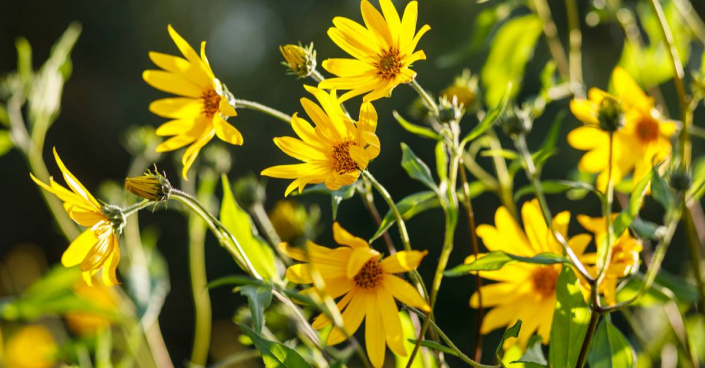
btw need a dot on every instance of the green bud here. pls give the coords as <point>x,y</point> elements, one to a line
<point>680,180</point>
<point>610,115</point>
<point>249,191</point>
<point>516,123</point>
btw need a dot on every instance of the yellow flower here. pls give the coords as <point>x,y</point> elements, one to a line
<point>300,60</point>
<point>152,186</point>
<point>86,323</point>
<point>464,89</point>
<point>382,52</point>
<point>624,259</point>
<point>368,288</point>
<point>31,347</point>
<point>638,146</point>
<point>202,108</point>
<point>97,247</point>
<point>523,291</point>
<point>334,151</point>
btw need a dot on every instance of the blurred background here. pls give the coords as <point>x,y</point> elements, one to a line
<point>106,96</point>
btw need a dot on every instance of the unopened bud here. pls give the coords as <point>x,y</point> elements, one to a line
<point>464,89</point>
<point>151,186</point>
<point>450,110</point>
<point>610,115</point>
<point>300,60</point>
<point>516,123</point>
<point>680,180</point>
<point>249,191</point>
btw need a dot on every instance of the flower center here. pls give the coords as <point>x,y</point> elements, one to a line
<point>370,276</point>
<point>340,158</point>
<point>389,65</point>
<point>211,102</point>
<point>544,280</point>
<point>647,130</point>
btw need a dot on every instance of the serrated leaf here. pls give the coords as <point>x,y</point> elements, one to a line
<point>570,321</point>
<point>494,261</point>
<point>239,223</point>
<point>510,50</point>
<point>416,168</point>
<point>274,354</point>
<point>609,348</point>
<point>508,333</point>
<point>415,129</point>
<point>258,298</point>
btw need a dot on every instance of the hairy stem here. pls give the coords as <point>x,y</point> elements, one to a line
<point>263,109</point>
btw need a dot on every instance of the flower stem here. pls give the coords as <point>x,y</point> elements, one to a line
<point>475,250</point>
<point>427,99</point>
<point>554,43</point>
<point>532,174</point>
<point>592,326</point>
<point>575,41</point>
<point>369,202</point>
<point>127,212</point>
<point>450,343</point>
<point>607,213</point>
<point>317,76</point>
<point>263,109</point>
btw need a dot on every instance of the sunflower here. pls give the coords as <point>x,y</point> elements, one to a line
<point>644,141</point>
<point>334,151</point>
<point>383,51</point>
<point>624,259</point>
<point>523,291</point>
<point>202,108</point>
<point>368,288</point>
<point>97,247</point>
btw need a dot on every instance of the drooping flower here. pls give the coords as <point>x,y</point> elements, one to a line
<point>33,346</point>
<point>642,142</point>
<point>624,259</point>
<point>523,291</point>
<point>383,51</point>
<point>367,285</point>
<point>97,247</point>
<point>200,111</point>
<point>334,151</point>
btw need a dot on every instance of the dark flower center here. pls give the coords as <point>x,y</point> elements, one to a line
<point>389,65</point>
<point>370,276</point>
<point>340,159</point>
<point>211,102</point>
<point>647,130</point>
<point>544,280</point>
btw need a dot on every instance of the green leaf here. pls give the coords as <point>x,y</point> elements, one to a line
<point>239,223</point>
<point>646,229</point>
<point>408,208</point>
<point>416,168</point>
<point>510,51</point>
<point>609,348</point>
<point>435,346</point>
<point>24,60</point>
<point>5,142</point>
<point>259,298</point>
<point>490,119</point>
<point>4,117</point>
<point>534,354</point>
<point>660,190</point>
<point>666,287</point>
<point>415,129</point>
<point>650,64</point>
<point>339,195</point>
<point>629,213</point>
<point>554,187</point>
<point>274,355</point>
<point>503,153</point>
<point>570,321</point>
<point>510,332</point>
<point>698,188</point>
<point>234,280</point>
<point>548,148</point>
<point>441,161</point>
<point>496,260</point>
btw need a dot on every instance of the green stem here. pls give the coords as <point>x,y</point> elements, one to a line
<point>127,212</point>
<point>685,8</point>
<point>554,43</point>
<point>201,298</point>
<point>575,41</point>
<point>369,202</point>
<point>263,109</point>
<point>317,76</point>
<point>427,99</point>
<point>532,174</point>
<point>505,180</point>
<point>607,213</point>
<point>592,326</point>
<point>449,342</point>
<point>694,247</point>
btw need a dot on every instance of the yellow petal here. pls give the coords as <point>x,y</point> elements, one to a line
<point>323,321</point>
<point>411,46</point>
<point>374,333</point>
<point>376,24</point>
<point>189,52</point>
<point>408,24</point>
<point>579,243</point>
<point>109,274</point>
<point>192,151</point>
<point>359,155</point>
<point>507,236</point>
<point>405,293</point>
<point>78,249</point>
<point>585,111</point>
<point>307,133</point>
<point>403,261</point>
<point>319,255</point>
<point>299,149</point>
<point>171,83</point>
<point>631,94</point>
<point>74,184</point>
<point>177,127</point>
<point>393,21</point>
<point>299,274</point>
<point>175,142</point>
<point>352,317</point>
<point>226,132</point>
<point>226,108</point>
<point>286,171</point>
<point>392,323</point>
<point>343,237</point>
<point>179,66</point>
<point>501,316</point>
<point>585,138</point>
<point>347,67</point>
<point>176,108</point>
<point>359,258</point>
<point>497,294</point>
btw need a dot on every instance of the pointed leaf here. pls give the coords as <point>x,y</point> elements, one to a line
<point>274,355</point>
<point>416,168</point>
<point>570,321</point>
<point>259,298</point>
<point>609,348</point>
<point>415,129</point>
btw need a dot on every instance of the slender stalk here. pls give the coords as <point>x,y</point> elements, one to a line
<point>678,75</point>
<point>317,76</point>
<point>427,99</point>
<point>369,202</point>
<point>127,212</point>
<point>592,326</point>
<point>607,213</point>
<point>201,298</point>
<point>685,8</point>
<point>401,224</point>
<point>475,250</point>
<point>505,180</point>
<point>694,248</point>
<point>450,343</point>
<point>554,43</point>
<point>263,109</point>
<point>533,176</point>
<point>260,215</point>
<point>575,41</point>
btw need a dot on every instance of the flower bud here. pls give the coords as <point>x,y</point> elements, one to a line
<point>293,222</point>
<point>464,89</point>
<point>610,115</point>
<point>300,60</point>
<point>680,180</point>
<point>151,186</point>
<point>249,191</point>
<point>516,123</point>
<point>450,109</point>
